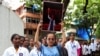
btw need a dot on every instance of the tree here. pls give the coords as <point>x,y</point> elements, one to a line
<point>86,11</point>
<point>86,14</point>
<point>34,5</point>
<point>97,33</point>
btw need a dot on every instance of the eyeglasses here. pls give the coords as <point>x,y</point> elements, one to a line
<point>51,39</point>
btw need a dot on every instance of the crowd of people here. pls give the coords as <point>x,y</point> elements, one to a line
<point>50,45</point>
<point>90,48</point>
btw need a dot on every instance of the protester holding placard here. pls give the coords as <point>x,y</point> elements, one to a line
<point>51,48</point>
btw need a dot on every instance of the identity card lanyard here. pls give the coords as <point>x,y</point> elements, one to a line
<point>73,47</point>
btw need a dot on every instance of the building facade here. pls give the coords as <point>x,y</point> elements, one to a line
<point>10,23</point>
<point>30,20</point>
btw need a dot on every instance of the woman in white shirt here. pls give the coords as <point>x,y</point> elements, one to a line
<point>89,50</point>
<point>16,50</point>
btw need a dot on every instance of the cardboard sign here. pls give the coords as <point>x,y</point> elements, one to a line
<point>52,16</point>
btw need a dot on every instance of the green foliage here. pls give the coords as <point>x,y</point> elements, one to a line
<point>97,33</point>
<point>84,20</point>
<point>30,3</point>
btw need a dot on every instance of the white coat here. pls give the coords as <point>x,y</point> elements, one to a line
<point>12,52</point>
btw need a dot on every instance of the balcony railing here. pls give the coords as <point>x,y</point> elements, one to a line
<point>30,25</point>
<point>32,15</point>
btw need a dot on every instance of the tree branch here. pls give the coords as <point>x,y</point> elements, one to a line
<point>66,2</point>
<point>84,9</point>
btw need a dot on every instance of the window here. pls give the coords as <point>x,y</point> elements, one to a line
<point>30,32</point>
<point>25,31</point>
<point>32,20</point>
<point>35,20</point>
<point>28,19</point>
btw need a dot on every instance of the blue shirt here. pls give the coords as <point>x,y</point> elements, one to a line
<point>50,51</point>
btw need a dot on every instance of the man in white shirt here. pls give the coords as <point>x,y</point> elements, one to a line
<point>89,50</point>
<point>72,46</point>
<point>84,49</point>
<point>93,46</point>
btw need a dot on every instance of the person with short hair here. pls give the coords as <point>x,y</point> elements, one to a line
<point>43,41</point>
<point>93,46</point>
<point>84,49</point>
<point>72,46</point>
<point>31,43</point>
<point>26,44</point>
<point>89,49</point>
<point>22,39</point>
